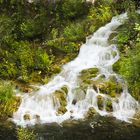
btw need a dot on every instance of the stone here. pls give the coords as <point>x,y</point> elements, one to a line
<point>65,89</point>
<point>74,101</point>
<point>111,87</point>
<point>91,112</point>
<point>61,96</point>
<point>109,107</point>
<point>100,102</point>
<point>26,117</point>
<point>62,110</point>
<point>88,73</point>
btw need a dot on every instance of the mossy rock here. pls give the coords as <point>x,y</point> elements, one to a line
<point>100,102</point>
<point>26,117</point>
<point>37,118</point>
<point>111,38</point>
<point>61,96</point>
<point>65,89</point>
<point>24,87</point>
<point>136,121</point>
<point>16,103</point>
<point>88,73</point>
<point>91,112</point>
<point>110,87</point>
<point>55,69</point>
<point>79,93</point>
<point>109,107</point>
<point>62,110</point>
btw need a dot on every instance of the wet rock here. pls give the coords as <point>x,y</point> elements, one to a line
<point>91,112</point>
<point>71,111</point>
<point>111,87</point>
<point>37,117</point>
<point>27,90</point>
<point>136,120</point>
<point>79,94</point>
<point>62,110</point>
<point>61,96</point>
<point>56,68</point>
<point>65,89</point>
<point>26,117</point>
<point>88,73</point>
<point>16,103</point>
<point>109,107</point>
<point>74,101</point>
<point>100,102</point>
<point>112,38</point>
<point>24,87</point>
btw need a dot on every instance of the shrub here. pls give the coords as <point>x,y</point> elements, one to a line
<point>25,134</point>
<point>72,9</point>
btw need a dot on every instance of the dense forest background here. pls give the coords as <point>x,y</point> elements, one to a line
<point>37,38</point>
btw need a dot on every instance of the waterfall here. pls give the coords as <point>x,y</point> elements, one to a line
<point>98,53</point>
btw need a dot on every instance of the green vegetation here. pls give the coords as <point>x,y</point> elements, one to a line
<point>8,102</point>
<point>33,40</point>
<point>25,134</point>
<point>129,46</point>
<point>37,38</point>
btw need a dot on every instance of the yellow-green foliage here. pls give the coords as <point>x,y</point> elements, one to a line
<point>25,134</point>
<point>128,43</point>
<point>8,102</point>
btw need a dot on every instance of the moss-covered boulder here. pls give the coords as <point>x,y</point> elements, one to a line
<point>91,112</point>
<point>112,38</point>
<point>88,73</point>
<point>61,96</point>
<point>109,107</point>
<point>111,87</point>
<point>62,110</point>
<point>100,102</point>
<point>26,117</point>
<point>79,94</point>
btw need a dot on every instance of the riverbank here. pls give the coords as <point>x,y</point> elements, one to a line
<point>97,128</point>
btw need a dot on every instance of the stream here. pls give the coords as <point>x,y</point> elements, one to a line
<point>42,106</point>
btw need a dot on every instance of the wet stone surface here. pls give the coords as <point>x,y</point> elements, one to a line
<point>99,128</point>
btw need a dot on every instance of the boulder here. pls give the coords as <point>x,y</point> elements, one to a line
<point>61,96</point>
<point>100,102</point>
<point>62,110</point>
<point>91,112</point>
<point>88,73</point>
<point>26,117</point>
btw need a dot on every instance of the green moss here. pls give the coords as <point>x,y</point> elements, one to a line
<point>25,134</point>
<point>109,105</point>
<point>61,96</point>
<point>88,74</point>
<point>100,102</point>
<point>91,112</point>
<point>111,87</point>
<point>61,110</point>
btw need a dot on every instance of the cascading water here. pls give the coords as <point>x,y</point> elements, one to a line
<point>95,53</point>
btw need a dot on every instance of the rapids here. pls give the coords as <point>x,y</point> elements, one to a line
<point>97,52</point>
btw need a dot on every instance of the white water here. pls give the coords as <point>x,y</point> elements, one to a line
<point>95,53</point>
